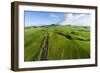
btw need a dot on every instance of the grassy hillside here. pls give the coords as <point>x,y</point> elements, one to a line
<point>56,43</point>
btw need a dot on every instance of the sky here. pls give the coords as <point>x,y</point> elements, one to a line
<point>40,18</point>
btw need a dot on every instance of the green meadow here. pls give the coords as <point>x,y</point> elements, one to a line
<point>61,42</point>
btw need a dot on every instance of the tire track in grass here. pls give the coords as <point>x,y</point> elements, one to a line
<point>67,36</point>
<point>32,50</point>
<point>77,46</point>
<point>36,57</point>
<point>62,54</point>
<point>81,49</point>
<point>45,47</point>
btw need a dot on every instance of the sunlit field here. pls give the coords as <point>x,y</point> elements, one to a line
<point>61,42</point>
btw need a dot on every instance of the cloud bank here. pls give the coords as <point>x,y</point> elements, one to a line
<point>78,19</point>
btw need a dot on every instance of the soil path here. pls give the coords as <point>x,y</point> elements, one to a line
<point>45,47</point>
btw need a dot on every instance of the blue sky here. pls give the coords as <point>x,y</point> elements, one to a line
<point>39,18</point>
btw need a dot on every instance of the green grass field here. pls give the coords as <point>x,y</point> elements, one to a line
<point>56,43</point>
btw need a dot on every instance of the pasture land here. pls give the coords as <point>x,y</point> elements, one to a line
<point>61,42</point>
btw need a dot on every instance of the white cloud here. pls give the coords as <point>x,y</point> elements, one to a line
<point>80,15</point>
<point>76,19</point>
<point>69,16</point>
<point>72,16</point>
